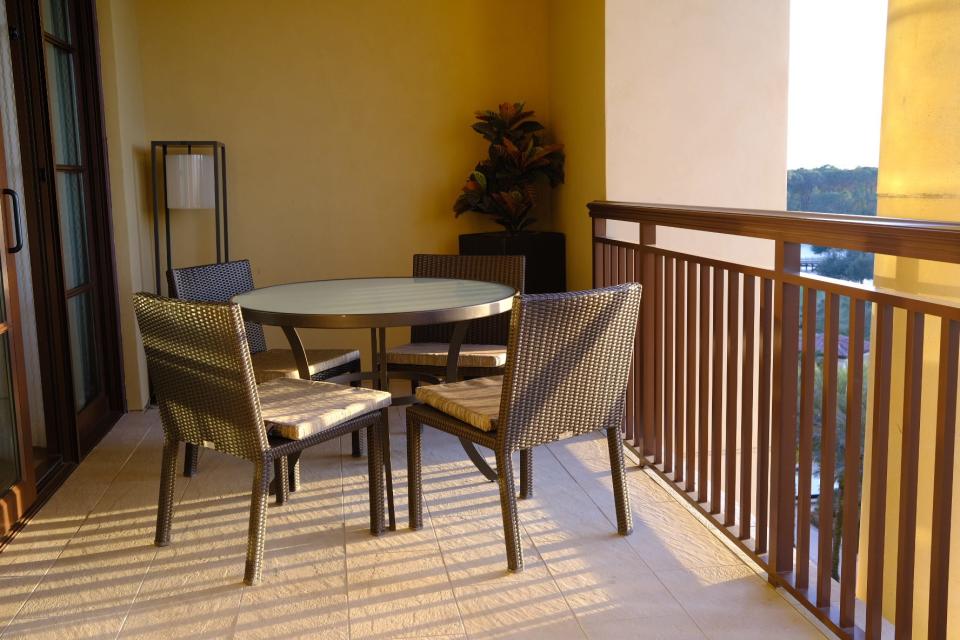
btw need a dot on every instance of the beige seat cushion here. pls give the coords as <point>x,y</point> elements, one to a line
<point>476,402</point>
<point>279,363</point>
<point>295,409</point>
<point>434,354</point>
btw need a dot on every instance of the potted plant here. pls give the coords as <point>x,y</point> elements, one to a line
<point>505,185</point>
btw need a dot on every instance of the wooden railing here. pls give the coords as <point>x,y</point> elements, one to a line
<point>723,399</point>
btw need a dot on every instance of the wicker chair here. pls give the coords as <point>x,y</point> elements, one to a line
<point>202,374</point>
<point>484,349</point>
<point>219,283</point>
<point>568,362</point>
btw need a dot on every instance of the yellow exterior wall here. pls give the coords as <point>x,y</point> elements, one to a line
<point>919,177</point>
<point>576,59</point>
<point>128,149</point>
<point>347,127</point>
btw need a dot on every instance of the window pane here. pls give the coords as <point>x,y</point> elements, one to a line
<point>56,19</point>
<point>83,350</point>
<point>73,228</point>
<point>9,456</point>
<point>63,105</point>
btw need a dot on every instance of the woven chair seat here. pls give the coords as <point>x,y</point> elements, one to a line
<point>434,354</point>
<point>279,363</point>
<point>296,409</point>
<point>476,402</point>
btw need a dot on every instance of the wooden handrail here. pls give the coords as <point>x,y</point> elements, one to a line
<point>905,237</point>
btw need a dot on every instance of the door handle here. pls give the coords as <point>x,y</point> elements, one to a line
<point>17,231</point>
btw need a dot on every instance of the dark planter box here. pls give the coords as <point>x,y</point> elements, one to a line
<point>546,266</point>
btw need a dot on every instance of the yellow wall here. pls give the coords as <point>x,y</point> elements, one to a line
<point>128,153</point>
<point>576,58</point>
<point>919,177</point>
<point>347,127</point>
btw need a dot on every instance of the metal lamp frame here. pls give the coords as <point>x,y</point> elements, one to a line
<point>159,149</point>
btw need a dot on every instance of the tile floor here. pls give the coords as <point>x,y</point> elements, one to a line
<point>85,567</point>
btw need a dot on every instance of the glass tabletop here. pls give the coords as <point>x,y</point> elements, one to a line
<point>369,302</point>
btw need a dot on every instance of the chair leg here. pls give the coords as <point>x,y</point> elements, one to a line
<point>415,473</point>
<point>191,456</point>
<point>258,524</point>
<point>168,481</point>
<point>375,477</point>
<point>293,471</point>
<point>508,505</point>
<point>526,473</point>
<point>621,496</point>
<point>385,434</point>
<point>355,444</point>
<point>281,475</point>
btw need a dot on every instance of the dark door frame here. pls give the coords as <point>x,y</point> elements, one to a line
<point>43,226</point>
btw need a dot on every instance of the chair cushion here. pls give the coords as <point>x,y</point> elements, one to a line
<point>476,402</point>
<point>434,354</point>
<point>295,409</point>
<point>279,363</point>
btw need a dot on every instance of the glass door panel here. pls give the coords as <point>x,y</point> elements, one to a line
<point>70,170</point>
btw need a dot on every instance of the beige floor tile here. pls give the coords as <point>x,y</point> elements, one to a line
<point>498,604</point>
<point>400,595</point>
<point>63,627</point>
<point>667,627</point>
<point>734,602</point>
<point>304,594</point>
<point>667,536</point>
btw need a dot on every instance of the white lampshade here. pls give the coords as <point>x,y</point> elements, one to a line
<point>190,181</point>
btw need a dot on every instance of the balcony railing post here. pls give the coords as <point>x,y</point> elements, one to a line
<point>783,437</point>
<point>648,236</point>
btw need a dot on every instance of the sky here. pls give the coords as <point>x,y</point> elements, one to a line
<point>836,82</point>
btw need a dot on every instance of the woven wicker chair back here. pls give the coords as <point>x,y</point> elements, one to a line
<point>218,283</point>
<point>508,270</point>
<point>201,372</point>
<point>568,362</point>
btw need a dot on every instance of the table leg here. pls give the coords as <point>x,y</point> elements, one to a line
<point>303,368</point>
<point>453,355</point>
<point>378,345</point>
<point>299,353</point>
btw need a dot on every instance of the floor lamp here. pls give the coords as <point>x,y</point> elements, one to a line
<point>188,175</point>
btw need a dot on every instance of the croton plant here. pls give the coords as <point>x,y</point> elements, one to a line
<point>506,183</point>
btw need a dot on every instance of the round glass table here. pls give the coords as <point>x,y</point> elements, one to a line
<point>378,303</point>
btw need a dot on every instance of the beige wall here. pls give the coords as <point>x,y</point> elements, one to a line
<point>347,127</point>
<point>697,109</point>
<point>919,177</point>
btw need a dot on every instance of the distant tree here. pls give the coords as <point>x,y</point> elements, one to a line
<point>828,189</point>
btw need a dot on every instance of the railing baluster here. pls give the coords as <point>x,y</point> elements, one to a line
<point>828,447</point>
<point>631,276</point>
<point>850,540</point>
<point>746,406</point>
<point>943,479</point>
<point>668,351</point>
<point>704,388</point>
<point>638,363</point>
<point>763,412</point>
<point>648,306</point>
<point>732,355</point>
<point>878,469</point>
<point>680,392</point>
<point>692,352</point>
<point>658,360</point>
<point>783,435</point>
<point>808,332</point>
<point>716,419</point>
<point>909,469</point>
